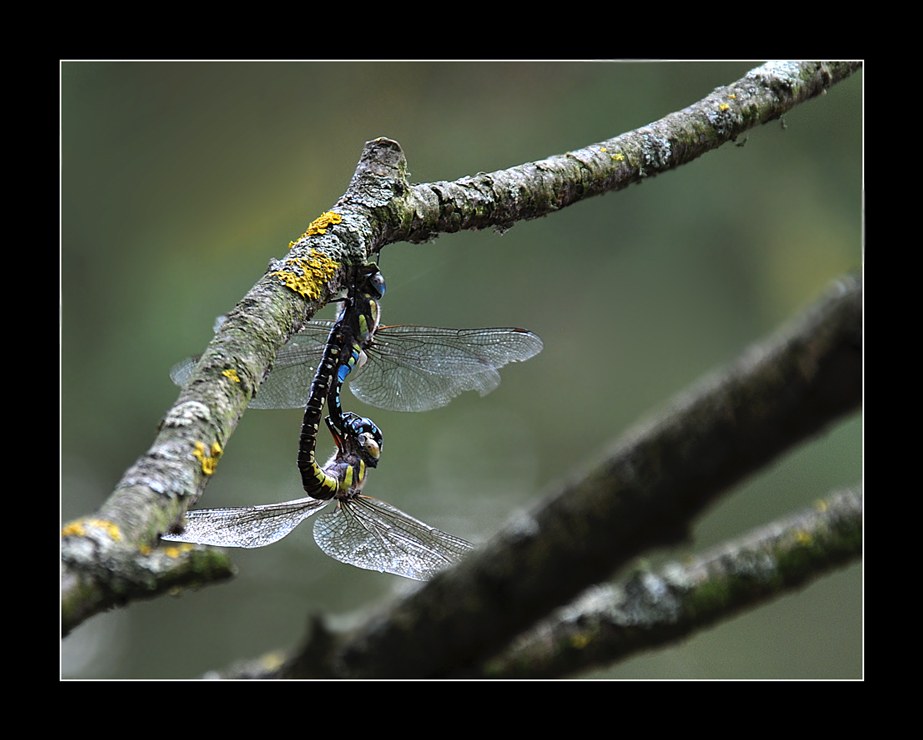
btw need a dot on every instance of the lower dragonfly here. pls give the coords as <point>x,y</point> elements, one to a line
<point>361,530</point>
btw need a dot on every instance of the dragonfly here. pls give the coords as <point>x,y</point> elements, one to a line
<point>356,324</point>
<point>360,530</point>
<point>397,367</point>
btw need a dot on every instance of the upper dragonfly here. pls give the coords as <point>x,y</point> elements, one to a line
<point>399,368</point>
<point>361,531</point>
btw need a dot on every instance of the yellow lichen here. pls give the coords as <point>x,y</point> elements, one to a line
<point>315,271</point>
<point>723,106</point>
<point>319,226</point>
<point>174,551</point>
<point>79,528</point>
<point>232,374</point>
<point>209,461</point>
<point>73,529</point>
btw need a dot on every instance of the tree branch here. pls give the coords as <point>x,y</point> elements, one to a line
<point>100,553</point>
<point>145,575</point>
<point>654,609</point>
<point>500,199</point>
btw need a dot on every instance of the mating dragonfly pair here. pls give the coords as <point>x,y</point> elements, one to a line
<point>401,368</point>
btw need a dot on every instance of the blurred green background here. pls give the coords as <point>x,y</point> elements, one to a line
<point>180,181</point>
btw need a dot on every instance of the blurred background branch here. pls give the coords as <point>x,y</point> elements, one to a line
<point>652,609</point>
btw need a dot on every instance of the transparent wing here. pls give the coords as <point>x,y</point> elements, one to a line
<point>408,368</point>
<point>182,370</point>
<point>417,368</point>
<point>371,534</point>
<point>245,526</point>
<point>289,384</point>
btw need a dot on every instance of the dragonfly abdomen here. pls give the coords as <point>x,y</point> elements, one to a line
<point>315,480</point>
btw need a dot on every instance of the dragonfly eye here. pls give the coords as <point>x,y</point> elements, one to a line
<point>364,432</point>
<point>371,446</point>
<point>358,425</point>
<point>375,286</point>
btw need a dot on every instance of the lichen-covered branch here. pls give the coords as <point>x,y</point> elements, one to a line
<point>114,575</point>
<point>501,199</point>
<point>98,561</point>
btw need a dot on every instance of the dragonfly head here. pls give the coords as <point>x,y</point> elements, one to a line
<point>371,283</point>
<point>376,285</point>
<point>359,437</point>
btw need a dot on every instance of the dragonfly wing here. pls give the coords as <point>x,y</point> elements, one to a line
<point>289,384</point>
<point>246,526</point>
<point>417,368</point>
<point>374,535</point>
<point>401,387</point>
<point>408,368</point>
<point>182,370</point>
